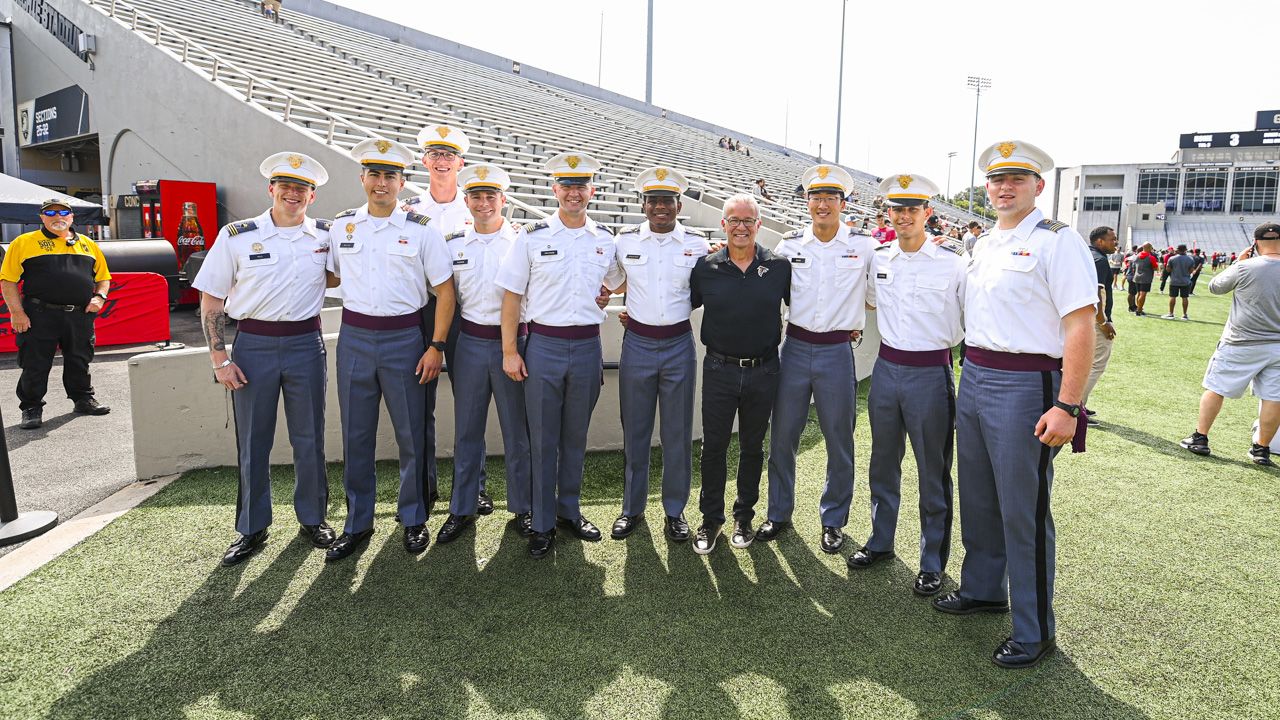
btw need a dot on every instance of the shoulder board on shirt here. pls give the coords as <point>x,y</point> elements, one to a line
<point>535,226</point>
<point>420,219</point>
<point>455,235</point>
<point>413,200</point>
<point>883,246</point>
<point>345,213</point>
<point>324,224</point>
<point>793,235</point>
<point>952,245</point>
<point>628,229</point>
<point>236,228</point>
<point>1052,225</point>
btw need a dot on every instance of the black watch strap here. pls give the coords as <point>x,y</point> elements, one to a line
<point>438,344</point>
<point>1072,410</point>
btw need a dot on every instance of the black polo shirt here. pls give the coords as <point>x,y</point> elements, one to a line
<point>1102,266</point>
<point>743,316</point>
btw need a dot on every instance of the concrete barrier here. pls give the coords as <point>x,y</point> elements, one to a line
<point>182,419</point>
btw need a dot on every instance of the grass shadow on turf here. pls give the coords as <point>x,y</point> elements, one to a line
<point>773,631</point>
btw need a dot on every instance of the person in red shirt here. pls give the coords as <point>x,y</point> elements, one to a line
<point>1145,266</point>
<point>883,234</point>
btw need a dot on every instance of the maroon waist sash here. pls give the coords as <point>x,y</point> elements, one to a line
<point>834,337</point>
<point>916,358</point>
<point>566,332</point>
<point>278,328</point>
<point>380,322</point>
<point>658,332</point>
<point>489,332</point>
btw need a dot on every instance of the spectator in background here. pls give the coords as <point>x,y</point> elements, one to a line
<point>1178,269</point>
<point>1127,267</point>
<point>1115,261</point>
<point>883,234</point>
<point>1144,272</point>
<point>271,10</point>
<point>933,226</point>
<point>971,237</point>
<point>1198,256</point>
<point>760,191</point>
<point>1102,243</point>
<point>1249,351</point>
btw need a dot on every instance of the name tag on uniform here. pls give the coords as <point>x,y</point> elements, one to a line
<point>634,256</point>
<point>800,261</point>
<point>549,253</point>
<point>884,276</point>
<point>462,262</point>
<point>260,256</point>
<point>346,245</point>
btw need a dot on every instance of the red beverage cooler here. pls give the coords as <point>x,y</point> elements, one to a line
<point>183,212</point>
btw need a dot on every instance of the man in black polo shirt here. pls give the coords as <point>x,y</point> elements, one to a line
<point>64,285</point>
<point>742,285</point>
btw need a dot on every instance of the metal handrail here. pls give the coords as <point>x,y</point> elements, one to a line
<point>116,9</point>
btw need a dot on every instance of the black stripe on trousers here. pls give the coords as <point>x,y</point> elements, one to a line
<point>1042,513</point>
<point>948,450</point>
<point>235,429</point>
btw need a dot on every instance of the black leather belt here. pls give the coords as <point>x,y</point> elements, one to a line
<point>740,362</point>
<point>37,302</point>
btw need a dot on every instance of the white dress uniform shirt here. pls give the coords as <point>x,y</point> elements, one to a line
<point>828,280</point>
<point>476,260</point>
<point>447,217</point>
<point>269,273</point>
<point>919,297</point>
<point>1022,282</point>
<point>387,265</point>
<point>559,271</point>
<point>657,269</point>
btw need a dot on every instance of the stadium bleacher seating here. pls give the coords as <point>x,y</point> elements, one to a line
<point>357,84</point>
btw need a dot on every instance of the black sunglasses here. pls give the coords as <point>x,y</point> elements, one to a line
<point>55,213</point>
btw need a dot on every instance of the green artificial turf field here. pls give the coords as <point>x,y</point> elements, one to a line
<point>1167,600</point>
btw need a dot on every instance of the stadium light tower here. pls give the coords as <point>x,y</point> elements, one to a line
<point>844,5</point>
<point>978,84</point>
<point>648,63</point>
<point>950,155</point>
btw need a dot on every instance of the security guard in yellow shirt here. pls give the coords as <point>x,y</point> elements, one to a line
<point>64,285</point>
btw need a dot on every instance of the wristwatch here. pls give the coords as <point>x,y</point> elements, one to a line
<point>438,345</point>
<point>104,297</point>
<point>1072,410</point>
<point>223,364</point>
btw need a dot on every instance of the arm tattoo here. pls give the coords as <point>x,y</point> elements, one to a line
<point>215,330</point>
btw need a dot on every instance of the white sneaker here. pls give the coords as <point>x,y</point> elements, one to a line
<point>1184,317</point>
<point>1167,317</point>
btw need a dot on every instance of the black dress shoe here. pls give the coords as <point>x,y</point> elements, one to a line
<point>676,529</point>
<point>867,557</point>
<point>523,523</point>
<point>90,406</point>
<point>416,538</point>
<point>346,544</point>
<point>624,526</point>
<point>956,604</point>
<point>540,544</point>
<point>453,527</point>
<point>32,418</point>
<point>484,504</point>
<point>1014,655</point>
<point>927,583</point>
<point>243,547</point>
<point>581,528</point>
<point>321,536</point>
<point>832,540</point>
<point>770,530</point>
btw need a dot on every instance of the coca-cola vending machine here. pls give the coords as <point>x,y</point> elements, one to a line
<point>183,212</point>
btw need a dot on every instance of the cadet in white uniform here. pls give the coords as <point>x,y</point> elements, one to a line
<point>387,261</point>
<point>658,367</point>
<point>443,148</point>
<point>268,273</point>
<point>557,267</point>
<point>477,253</point>
<point>1029,300</point>
<point>829,269</point>
<point>919,296</point>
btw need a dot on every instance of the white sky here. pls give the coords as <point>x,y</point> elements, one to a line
<point>1089,81</point>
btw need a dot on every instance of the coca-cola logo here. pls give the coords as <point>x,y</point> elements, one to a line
<point>196,241</point>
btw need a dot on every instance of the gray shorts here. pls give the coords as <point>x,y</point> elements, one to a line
<point>1234,367</point>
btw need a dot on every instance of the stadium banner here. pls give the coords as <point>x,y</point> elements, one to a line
<point>57,116</point>
<point>1268,120</point>
<point>137,311</point>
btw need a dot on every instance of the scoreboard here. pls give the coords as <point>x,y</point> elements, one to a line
<point>1243,138</point>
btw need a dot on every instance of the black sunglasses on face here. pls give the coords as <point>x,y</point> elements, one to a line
<point>55,213</point>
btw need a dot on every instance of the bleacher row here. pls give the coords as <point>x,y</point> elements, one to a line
<point>344,85</point>
<point>1226,236</point>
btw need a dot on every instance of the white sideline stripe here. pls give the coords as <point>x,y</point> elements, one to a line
<point>48,547</point>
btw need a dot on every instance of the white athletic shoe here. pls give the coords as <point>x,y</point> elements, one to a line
<point>1167,317</point>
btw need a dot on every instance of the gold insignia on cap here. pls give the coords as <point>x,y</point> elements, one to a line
<point>482,173</point>
<point>661,173</point>
<point>295,161</point>
<point>351,227</point>
<point>573,161</point>
<point>257,247</point>
<point>1006,149</point>
<point>905,181</point>
<point>442,131</point>
<point>823,172</point>
<point>383,146</point>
